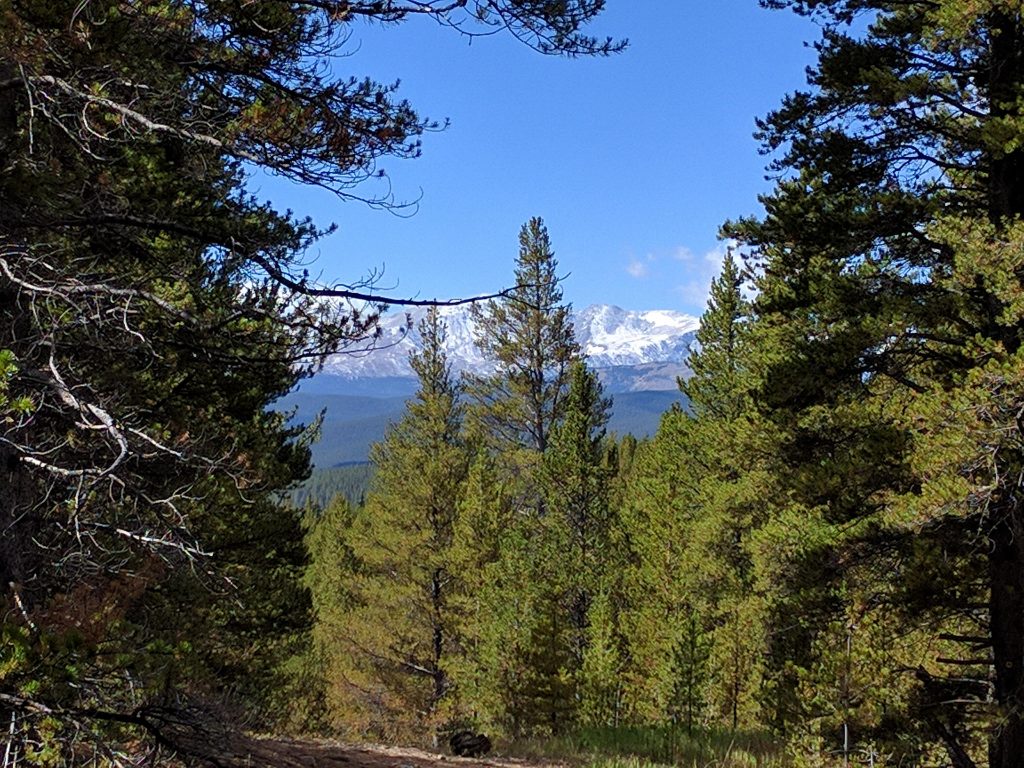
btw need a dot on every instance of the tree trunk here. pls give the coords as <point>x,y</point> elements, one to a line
<point>440,679</point>
<point>1006,574</point>
<point>17,527</point>
<point>1006,558</point>
<point>1006,76</point>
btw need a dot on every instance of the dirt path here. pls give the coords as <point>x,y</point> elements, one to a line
<point>285,753</point>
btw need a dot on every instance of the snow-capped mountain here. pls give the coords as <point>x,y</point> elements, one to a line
<point>613,336</point>
<point>610,337</point>
<point>637,355</point>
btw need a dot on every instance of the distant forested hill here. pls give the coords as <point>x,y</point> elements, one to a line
<point>639,413</point>
<point>350,480</point>
<point>352,423</point>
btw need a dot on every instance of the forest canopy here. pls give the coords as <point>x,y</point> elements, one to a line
<point>826,547</point>
<point>151,310</point>
<point>828,543</point>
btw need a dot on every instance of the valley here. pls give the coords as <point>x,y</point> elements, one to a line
<point>638,357</point>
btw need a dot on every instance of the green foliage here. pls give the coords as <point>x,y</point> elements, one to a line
<point>539,500</point>
<point>518,671</point>
<point>716,388</point>
<point>530,338</point>
<point>156,311</point>
<point>655,516</point>
<point>20,406</point>
<point>141,544</point>
<point>887,301</point>
<point>575,486</point>
<point>828,540</point>
<point>330,576</point>
<point>470,574</point>
<point>351,481</point>
<point>695,626</point>
<point>484,518</point>
<point>391,632</point>
<point>600,675</point>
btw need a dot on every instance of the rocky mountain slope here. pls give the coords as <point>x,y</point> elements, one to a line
<point>612,338</point>
<point>638,356</point>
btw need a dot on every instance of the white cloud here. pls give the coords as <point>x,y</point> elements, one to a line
<point>637,268</point>
<point>698,273</point>
<point>682,253</point>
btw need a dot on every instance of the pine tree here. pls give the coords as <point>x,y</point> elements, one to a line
<point>523,637</point>
<point>401,630</point>
<point>887,300</point>
<point>530,338</point>
<point>330,577</point>
<point>693,508</point>
<point>726,449</point>
<point>484,672</point>
<point>541,416</point>
<point>576,489</point>
<point>688,704</point>
<point>157,311</point>
<point>516,672</point>
<point>657,511</point>
<point>715,388</point>
<point>600,675</point>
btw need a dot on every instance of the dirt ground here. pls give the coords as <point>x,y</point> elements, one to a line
<point>284,753</point>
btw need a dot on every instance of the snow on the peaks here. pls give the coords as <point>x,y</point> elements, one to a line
<point>614,336</point>
<point>609,336</point>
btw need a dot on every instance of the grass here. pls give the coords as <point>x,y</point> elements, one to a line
<point>650,747</point>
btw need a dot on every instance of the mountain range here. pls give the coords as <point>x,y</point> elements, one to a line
<point>638,355</point>
<point>655,342</point>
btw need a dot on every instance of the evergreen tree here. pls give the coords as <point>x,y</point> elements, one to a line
<point>490,626</point>
<point>699,487</point>
<point>541,416</point>
<point>600,675</point>
<point>657,512</point>
<point>521,643</point>
<point>530,338</point>
<point>522,631</point>
<point>688,703</point>
<point>729,452</point>
<point>715,388</point>
<point>332,683</point>
<point>576,489</point>
<point>157,310</point>
<point>887,300</point>
<point>401,630</point>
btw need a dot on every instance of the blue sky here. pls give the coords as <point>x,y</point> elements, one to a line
<point>633,161</point>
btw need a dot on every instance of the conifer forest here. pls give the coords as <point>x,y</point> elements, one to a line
<point>819,561</point>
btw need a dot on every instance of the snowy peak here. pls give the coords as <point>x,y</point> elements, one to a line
<point>388,355</point>
<point>614,336</point>
<point>609,335</point>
